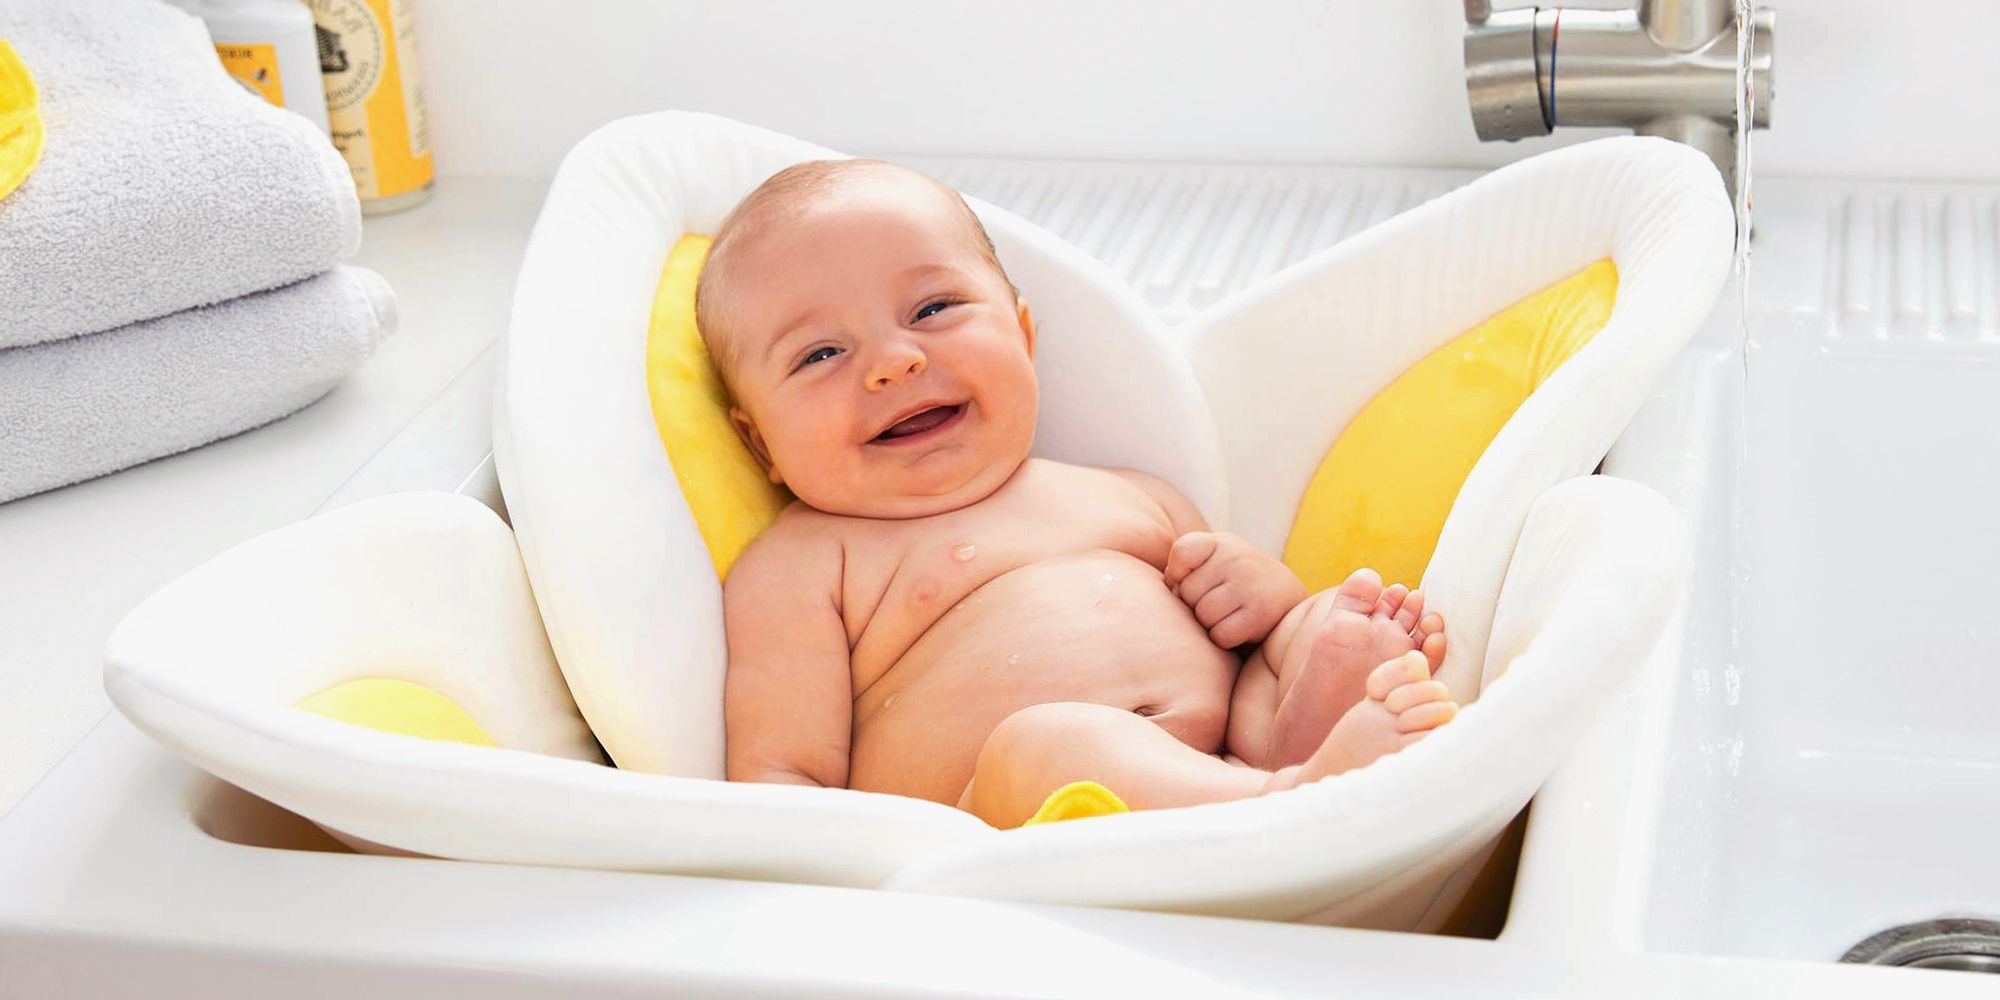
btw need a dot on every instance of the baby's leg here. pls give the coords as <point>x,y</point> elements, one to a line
<point>1401,705</point>
<point>1313,666</point>
<point>1044,747</point>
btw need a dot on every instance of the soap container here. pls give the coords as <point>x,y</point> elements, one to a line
<point>269,47</point>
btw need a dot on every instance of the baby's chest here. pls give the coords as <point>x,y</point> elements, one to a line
<point>1030,529</point>
<point>936,565</point>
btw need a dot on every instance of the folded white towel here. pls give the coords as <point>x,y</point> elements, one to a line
<point>86,406</point>
<point>164,184</point>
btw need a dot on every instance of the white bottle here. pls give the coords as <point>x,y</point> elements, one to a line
<point>269,47</point>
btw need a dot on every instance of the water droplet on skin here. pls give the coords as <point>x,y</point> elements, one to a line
<point>964,552</point>
<point>1013,658</point>
<point>1106,578</point>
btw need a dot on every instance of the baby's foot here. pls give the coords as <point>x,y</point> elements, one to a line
<point>1402,706</point>
<point>1366,627</point>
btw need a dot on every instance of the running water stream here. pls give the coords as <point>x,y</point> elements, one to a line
<point>1739,547</point>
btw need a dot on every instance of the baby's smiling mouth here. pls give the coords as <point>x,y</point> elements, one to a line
<point>920,424</point>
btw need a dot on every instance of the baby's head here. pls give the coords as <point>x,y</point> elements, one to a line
<point>879,361</point>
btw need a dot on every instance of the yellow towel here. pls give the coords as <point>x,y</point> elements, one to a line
<point>1078,800</point>
<point>20,121</point>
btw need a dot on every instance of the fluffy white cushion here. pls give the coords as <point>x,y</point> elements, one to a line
<point>631,606</point>
<point>428,588</point>
<point>1354,316</point>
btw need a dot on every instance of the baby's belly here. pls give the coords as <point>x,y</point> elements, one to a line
<point>1098,627</point>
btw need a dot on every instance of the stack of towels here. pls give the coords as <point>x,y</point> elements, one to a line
<point>169,271</point>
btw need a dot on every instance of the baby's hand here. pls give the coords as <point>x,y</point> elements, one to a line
<point>1238,593</point>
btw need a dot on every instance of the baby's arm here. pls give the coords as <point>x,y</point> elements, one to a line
<point>788,700</point>
<point>1236,590</point>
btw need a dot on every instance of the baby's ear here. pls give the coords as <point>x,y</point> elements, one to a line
<point>1027,318</point>
<point>746,431</point>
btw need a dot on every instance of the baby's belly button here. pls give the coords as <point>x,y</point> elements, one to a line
<point>1080,627</point>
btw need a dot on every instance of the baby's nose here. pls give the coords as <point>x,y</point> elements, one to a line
<point>897,364</point>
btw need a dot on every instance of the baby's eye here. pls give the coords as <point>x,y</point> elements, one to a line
<point>819,354</point>
<point>933,309</point>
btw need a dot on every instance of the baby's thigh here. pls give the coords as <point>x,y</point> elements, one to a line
<point>1198,718</point>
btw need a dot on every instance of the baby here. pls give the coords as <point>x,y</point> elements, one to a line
<point>939,615</point>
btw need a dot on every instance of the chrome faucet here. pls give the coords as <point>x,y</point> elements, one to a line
<point>1665,68</point>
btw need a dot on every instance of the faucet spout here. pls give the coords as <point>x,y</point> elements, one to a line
<point>1686,25</point>
<point>1664,67</point>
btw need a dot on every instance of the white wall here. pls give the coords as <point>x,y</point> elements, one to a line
<point>1863,88</point>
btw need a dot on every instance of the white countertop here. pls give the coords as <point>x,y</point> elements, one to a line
<point>74,560</point>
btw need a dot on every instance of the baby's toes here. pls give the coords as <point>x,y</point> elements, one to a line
<point>1359,593</point>
<point>1410,696</point>
<point>1429,638</point>
<point>1391,602</point>
<point>1411,612</point>
<point>1433,649</point>
<point>1409,668</point>
<point>1426,717</point>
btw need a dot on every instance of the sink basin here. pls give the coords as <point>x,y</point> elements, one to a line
<point>1814,760</point>
<point>1803,765</point>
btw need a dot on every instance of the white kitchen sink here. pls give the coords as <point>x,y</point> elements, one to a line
<point>1815,758</point>
<point>1805,764</point>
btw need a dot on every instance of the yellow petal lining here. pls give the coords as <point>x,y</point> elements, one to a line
<point>726,490</point>
<point>1380,497</point>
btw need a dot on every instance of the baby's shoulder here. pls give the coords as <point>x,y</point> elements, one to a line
<point>802,544</point>
<point>1053,470</point>
<point>1065,476</point>
<point>1180,512</point>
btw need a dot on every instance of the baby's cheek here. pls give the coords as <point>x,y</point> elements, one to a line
<point>1016,401</point>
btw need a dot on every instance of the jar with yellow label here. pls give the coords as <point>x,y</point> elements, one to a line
<point>375,99</point>
<point>268,47</point>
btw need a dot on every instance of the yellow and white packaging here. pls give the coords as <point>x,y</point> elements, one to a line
<point>269,47</point>
<point>375,99</point>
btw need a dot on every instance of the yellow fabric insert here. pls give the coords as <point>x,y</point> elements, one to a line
<point>726,490</point>
<point>395,706</point>
<point>21,134</point>
<point>1078,800</point>
<point>1380,497</point>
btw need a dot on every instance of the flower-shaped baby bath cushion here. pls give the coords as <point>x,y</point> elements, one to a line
<point>628,590</point>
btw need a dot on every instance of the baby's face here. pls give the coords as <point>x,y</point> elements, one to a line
<point>881,366</point>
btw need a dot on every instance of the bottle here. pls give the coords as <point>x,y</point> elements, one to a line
<point>269,47</point>
<point>375,99</point>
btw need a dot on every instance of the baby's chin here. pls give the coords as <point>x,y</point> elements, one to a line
<point>903,504</point>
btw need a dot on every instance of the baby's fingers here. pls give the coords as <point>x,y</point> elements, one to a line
<point>1187,555</point>
<point>1219,603</point>
<point>1235,629</point>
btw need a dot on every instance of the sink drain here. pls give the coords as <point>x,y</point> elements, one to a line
<point>1959,944</point>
